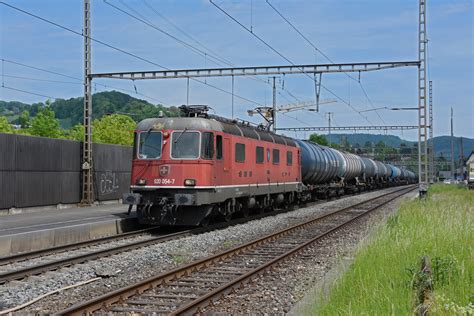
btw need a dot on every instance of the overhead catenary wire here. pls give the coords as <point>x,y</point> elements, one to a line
<point>371,103</point>
<point>287,59</point>
<point>215,58</point>
<point>80,80</point>
<point>41,80</point>
<point>321,52</point>
<point>121,50</point>
<point>206,55</point>
<point>139,17</point>
<point>28,92</point>
<point>189,36</point>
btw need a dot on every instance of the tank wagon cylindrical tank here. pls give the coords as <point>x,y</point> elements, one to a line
<point>402,173</point>
<point>319,164</point>
<point>411,176</point>
<point>353,166</point>
<point>381,169</point>
<point>388,170</point>
<point>395,172</point>
<point>370,168</point>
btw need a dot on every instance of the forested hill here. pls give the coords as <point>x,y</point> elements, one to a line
<point>442,144</point>
<point>69,112</point>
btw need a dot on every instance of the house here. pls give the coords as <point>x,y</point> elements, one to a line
<point>470,158</point>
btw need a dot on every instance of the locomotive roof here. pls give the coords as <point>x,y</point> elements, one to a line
<point>210,124</point>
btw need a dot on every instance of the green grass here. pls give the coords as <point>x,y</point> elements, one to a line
<point>381,279</point>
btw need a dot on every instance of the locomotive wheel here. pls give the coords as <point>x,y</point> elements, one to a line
<point>227,216</point>
<point>245,212</point>
<point>205,221</point>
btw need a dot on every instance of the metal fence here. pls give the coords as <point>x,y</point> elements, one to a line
<point>37,171</point>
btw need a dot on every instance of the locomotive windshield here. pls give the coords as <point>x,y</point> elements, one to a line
<point>149,145</point>
<point>185,145</point>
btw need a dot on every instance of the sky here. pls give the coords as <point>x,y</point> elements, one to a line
<point>344,30</point>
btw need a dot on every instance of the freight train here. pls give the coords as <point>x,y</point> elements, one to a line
<point>187,170</point>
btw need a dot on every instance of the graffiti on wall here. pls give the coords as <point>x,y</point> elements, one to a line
<point>109,182</point>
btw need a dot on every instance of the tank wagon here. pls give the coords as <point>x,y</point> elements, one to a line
<point>186,170</point>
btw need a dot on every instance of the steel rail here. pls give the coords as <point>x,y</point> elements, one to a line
<point>49,266</point>
<point>206,300</point>
<point>121,295</point>
<point>58,249</point>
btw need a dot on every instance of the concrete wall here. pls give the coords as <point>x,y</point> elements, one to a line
<point>37,171</point>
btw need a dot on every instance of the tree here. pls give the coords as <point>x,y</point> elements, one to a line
<point>24,119</point>
<point>318,139</point>
<point>76,133</point>
<point>5,126</point>
<point>114,129</point>
<point>380,144</point>
<point>45,124</point>
<point>345,143</point>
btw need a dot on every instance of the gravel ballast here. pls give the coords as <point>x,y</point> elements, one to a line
<point>279,291</point>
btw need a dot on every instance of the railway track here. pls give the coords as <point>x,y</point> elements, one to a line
<point>19,257</point>
<point>20,266</point>
<point>192,287</point>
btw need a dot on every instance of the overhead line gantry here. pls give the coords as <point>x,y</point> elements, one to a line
<point>348,128</point>
<point>255,71</point>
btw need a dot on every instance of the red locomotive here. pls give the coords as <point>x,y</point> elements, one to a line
<point>188,169</point>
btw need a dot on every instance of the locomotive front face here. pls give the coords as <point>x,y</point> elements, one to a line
<point>170,169</point>
<point>170,159</point>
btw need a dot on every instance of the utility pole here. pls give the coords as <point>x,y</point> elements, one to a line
<point>87,189</point>
<point>274,108</point>
<point>187,91</point>
<point>329,127</point>
<point>452,146</point>
<point>431,143</point>
<point>232,97</point>
<point>422,113</point>
<point>461,157</point>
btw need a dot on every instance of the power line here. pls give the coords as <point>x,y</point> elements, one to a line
<point>28,92</point>
<point>217,59</point>
<point>301,34</point>
<point>370,101</point>
<point>120,50</point>
<point>40,69</point>
<point>320,51</point>
<point>285,58</point>
<point>38,79</point>
<point>192,38</point>
<point>296,119</point>
<point>147,22</point>
<point>76,78</point>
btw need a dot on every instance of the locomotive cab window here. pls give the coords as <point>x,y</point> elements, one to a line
<point>259,153</point>
<point>207,145</point>
<point>289,158</point>
<point>149,145</point>
<point>239,152</point>
<point>218,147</point>
<point>185,145</point>
<point>276,156</point>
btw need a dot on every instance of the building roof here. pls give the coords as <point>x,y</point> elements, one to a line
<point>470,158</point>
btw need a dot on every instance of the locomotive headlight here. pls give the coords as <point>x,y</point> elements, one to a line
<point>190,182</point>
<point>141,181</point>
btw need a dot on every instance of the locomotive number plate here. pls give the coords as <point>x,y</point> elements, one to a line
<point>164,181</point>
